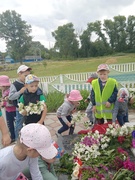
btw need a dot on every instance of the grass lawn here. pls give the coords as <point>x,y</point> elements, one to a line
<point>51,68</point>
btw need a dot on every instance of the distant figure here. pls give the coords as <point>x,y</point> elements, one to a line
<point>8,105</point>
<point>103,95</point>
<point>16,90</point>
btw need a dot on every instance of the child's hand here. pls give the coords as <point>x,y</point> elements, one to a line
<point>94,109</point>
<point>132,100</point>
<point>24,113</point>
<point>74,110</point>
<point>40,122</point>
<point>69,124</point>
<point>6,140</point>
<point>22,90</point>
<point>107,105</point>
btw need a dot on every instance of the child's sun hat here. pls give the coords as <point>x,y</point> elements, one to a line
<point>31,78</point>
<point>75,95</point>
<point>23,68</point>
<point>102,67</point>
<point>4,80</point>
<point>38,137</point>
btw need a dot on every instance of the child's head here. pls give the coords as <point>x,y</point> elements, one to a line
<point>31,83</point>
<point>103,71</point>
<point>92,77</point>
<point>4,82</point>
<point>36,140</point>
<point>123,94</point>
<point>75,97</point>
<point>23,71</point>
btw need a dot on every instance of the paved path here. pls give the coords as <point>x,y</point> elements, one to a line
<point>53,124</point>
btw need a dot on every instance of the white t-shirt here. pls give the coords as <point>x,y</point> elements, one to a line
<point>11,167</point>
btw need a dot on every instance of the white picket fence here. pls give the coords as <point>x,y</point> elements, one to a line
<point>126,67</point>
<point>66,82</point>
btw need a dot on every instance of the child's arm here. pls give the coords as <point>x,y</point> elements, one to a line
<point>6,140</point>
<point>34,169</point>
<point>44,112</point>
<point>45,172</point>
<point>115,111</point>
<point>113,97</point>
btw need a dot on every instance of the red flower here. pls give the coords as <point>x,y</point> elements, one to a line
<point>78,161</point>
<point>121,139</point>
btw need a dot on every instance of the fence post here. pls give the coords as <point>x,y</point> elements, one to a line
<point>62,87</point>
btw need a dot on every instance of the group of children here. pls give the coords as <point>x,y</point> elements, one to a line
<point>34,151</point>
<point>106,103</point>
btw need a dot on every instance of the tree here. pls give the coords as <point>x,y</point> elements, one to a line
<point>131,32</point>
<point>85,43</point>
<point>66,42</point>
<point>38,49</point>
<point>16,33</point>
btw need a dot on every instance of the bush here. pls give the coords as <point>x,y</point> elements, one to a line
<point>54,100</point>
<point>83,104</point>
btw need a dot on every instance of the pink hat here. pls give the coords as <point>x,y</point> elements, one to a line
<point>4,81</point>
<point>103,67</point>
<point>23,68</point>
<point>75,96</point>
<point>38,137</point>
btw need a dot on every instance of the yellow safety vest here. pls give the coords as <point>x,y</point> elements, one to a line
<point>101,99</point>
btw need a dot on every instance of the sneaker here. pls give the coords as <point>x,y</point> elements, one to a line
<point>58,134</point>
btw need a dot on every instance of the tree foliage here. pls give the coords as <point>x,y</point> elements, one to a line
<point>98,39</point>
<point>16,33</point>
<point>66,42</point>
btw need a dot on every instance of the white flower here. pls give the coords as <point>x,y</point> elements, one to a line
<point>77,117</point>
<point>32,108</point>
<point>103,146</point>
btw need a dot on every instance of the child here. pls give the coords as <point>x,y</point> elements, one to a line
<point>6,140</point>
<point>89,111</point>
<point>103,94</point>
<point>121,107</point>
<point>10,109</point>
<point>46,168</point>
<point>34,140</point>
<point>33,95</point>
<point>64,112</point>
<point>16,90</point>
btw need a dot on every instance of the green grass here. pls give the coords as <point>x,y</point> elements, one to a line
<point>66,67</point>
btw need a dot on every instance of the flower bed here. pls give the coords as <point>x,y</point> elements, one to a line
<point>104,153</point>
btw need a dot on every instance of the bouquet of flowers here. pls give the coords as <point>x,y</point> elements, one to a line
<point>77,117</point>
<point>32,108</point>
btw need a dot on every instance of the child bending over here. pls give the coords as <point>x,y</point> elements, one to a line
<point>64,112</point>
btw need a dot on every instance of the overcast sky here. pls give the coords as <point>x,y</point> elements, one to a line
<point>46,15</point>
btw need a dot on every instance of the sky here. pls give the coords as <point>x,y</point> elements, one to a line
<point>46,15</point>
